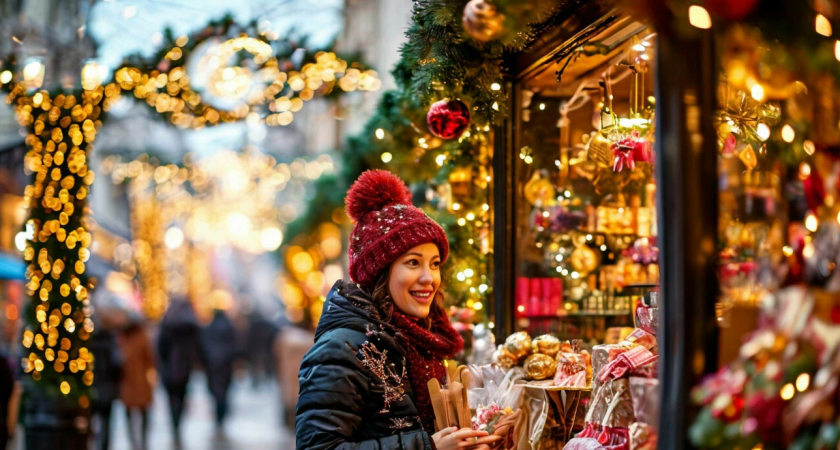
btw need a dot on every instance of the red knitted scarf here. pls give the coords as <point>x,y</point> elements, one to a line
<point>425,351</point>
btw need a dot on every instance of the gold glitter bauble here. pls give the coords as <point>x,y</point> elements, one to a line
<point>540,367</point>
<point>546,345</point>
<point>519,344</point>
<point>504,358</point>
<point>584,260</point>
<point>482,21</point>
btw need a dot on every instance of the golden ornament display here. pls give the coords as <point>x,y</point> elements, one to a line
<point>518,344</point>
<point>546,345</point>
<point>504,358</point>
<point>539,366</point>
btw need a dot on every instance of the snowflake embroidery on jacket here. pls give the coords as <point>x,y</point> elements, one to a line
<point>377,362</point>
<point>401,422</point>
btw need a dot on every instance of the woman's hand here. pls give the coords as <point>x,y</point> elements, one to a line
<point>454,439</point>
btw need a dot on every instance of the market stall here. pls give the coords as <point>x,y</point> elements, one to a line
<point>645,139</point>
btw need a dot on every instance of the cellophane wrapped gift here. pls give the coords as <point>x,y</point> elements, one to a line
<point>495,401</point>
<point>606,353</point>
<point>573,370</point>
<point>609,432</point>
<point>645,396</point>
<point>647,318</point>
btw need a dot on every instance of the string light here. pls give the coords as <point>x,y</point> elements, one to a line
<point>495,87</point>
<point>788,133</point>
<point>757,92</point>
<point>698,17</point>
<point>284,93</point>
<point>823,26</point>
<point>809,147</point>
<point>811,223</point>
<point>380,133</point>
<point>173,238</point>
<point>802,382</point>
<point>763,130</point>
<point>386,157</point>
<point>787,391</point>
<point>804,170</point>
<point>57,240</point>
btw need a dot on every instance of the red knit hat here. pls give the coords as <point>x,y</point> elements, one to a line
<point>387,225</point>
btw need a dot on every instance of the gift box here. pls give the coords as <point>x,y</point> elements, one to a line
<point>647,319</point>
<point>645,395</point>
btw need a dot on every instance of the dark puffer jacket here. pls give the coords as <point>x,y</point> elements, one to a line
<point>354,387</point>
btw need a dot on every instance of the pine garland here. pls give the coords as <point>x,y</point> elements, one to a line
<point>439,61</point>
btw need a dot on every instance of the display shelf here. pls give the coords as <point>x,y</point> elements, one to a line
<point>579,314</point>
<point>548,385</point>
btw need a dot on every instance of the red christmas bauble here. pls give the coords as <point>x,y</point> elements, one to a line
<point>447,119</point>
<point>731,9</point>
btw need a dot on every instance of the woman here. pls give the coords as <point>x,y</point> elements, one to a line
<point>139,378</point>
<point>381,338</point>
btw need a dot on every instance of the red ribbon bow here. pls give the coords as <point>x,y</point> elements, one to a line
<point>631,150</point>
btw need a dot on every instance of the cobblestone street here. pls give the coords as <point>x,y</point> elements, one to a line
<point>254,420</point>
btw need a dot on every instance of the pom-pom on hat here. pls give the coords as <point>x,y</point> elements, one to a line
<point>387,225</point>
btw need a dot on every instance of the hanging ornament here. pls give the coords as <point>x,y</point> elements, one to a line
<point>584,260</point>
<point>539,191</point>
<point>729,144</point>
<point>731,9</point>
<point>630,150</point>
<point>482,21</point>
<point>447,119</point>
<point>598,150</point>
<point>746,118</point>
<point>748,157</point>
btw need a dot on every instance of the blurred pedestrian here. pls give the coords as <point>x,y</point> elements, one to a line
<point>260,339</point>
<point>139,379</point>
<point>177,349</point>
<point>218,351</point>
<point>107,372</point>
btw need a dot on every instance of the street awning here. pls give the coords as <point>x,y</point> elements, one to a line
<point>12,267</point>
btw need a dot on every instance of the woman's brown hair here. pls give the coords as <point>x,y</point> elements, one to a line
<point>381,297</point>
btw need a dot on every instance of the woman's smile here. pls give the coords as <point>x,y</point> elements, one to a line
<point>423,296</point>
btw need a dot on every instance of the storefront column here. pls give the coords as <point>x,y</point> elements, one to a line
<point>686,172</point>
